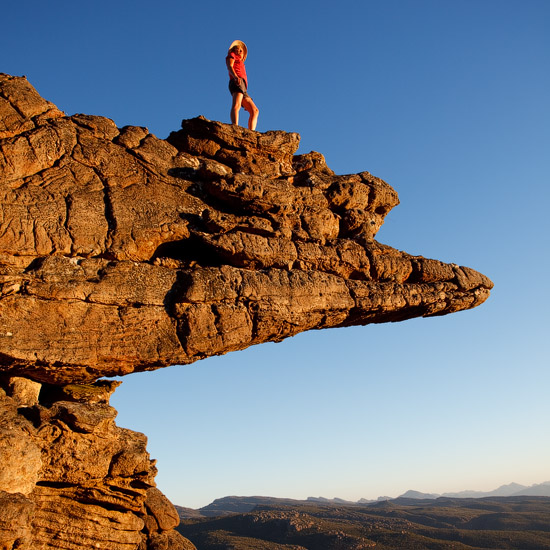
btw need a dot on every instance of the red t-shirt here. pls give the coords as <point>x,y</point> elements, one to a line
<point>238,67</point>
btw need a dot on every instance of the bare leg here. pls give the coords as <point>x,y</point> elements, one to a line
<point>253,111</point>
<point>235,107</point>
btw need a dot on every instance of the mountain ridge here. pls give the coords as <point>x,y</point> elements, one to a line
<point>508,490</point>
<point>242,504</point>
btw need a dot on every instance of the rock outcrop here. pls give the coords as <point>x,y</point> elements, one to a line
<point>71,478</point>
<point>122,252</point>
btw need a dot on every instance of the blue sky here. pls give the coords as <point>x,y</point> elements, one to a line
<point>448,101</point>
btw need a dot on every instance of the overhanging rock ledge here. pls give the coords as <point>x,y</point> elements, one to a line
<point>122,252</point>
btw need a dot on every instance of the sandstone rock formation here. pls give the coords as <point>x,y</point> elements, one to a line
<point>71,478</point>
<point>122,252</point>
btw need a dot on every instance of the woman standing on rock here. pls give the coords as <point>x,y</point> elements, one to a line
<point>238,84</point>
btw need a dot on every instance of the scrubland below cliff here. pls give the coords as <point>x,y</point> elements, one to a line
<point>505,523</point>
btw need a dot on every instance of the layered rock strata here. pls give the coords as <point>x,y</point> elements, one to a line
<point>71,478</point>
<point>122,252</point>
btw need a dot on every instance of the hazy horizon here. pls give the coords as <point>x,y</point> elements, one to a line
<point>380,497</point>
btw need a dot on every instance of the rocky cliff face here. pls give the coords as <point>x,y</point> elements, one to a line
<point>72,479</point>
<point>121,252</point>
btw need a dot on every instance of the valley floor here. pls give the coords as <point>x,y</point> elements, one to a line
<point>507,523</point>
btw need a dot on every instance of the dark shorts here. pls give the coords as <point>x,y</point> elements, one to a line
<point>234,87</point>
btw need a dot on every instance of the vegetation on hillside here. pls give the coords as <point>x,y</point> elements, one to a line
<point>513,523</point>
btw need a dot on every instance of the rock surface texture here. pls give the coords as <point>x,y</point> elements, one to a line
<point>122,252</point>
<point>71,478</point>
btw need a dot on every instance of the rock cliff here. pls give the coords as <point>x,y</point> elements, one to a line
<point>122,252</point>
<point>72,479</point>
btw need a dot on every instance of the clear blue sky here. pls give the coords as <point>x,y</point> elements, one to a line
<point>449,102</point>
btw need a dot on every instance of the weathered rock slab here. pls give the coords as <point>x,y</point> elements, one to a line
<point>122,252</point>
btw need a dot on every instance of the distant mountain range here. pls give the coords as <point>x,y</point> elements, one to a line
<point>510,490</point>
<point>242,505</point>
